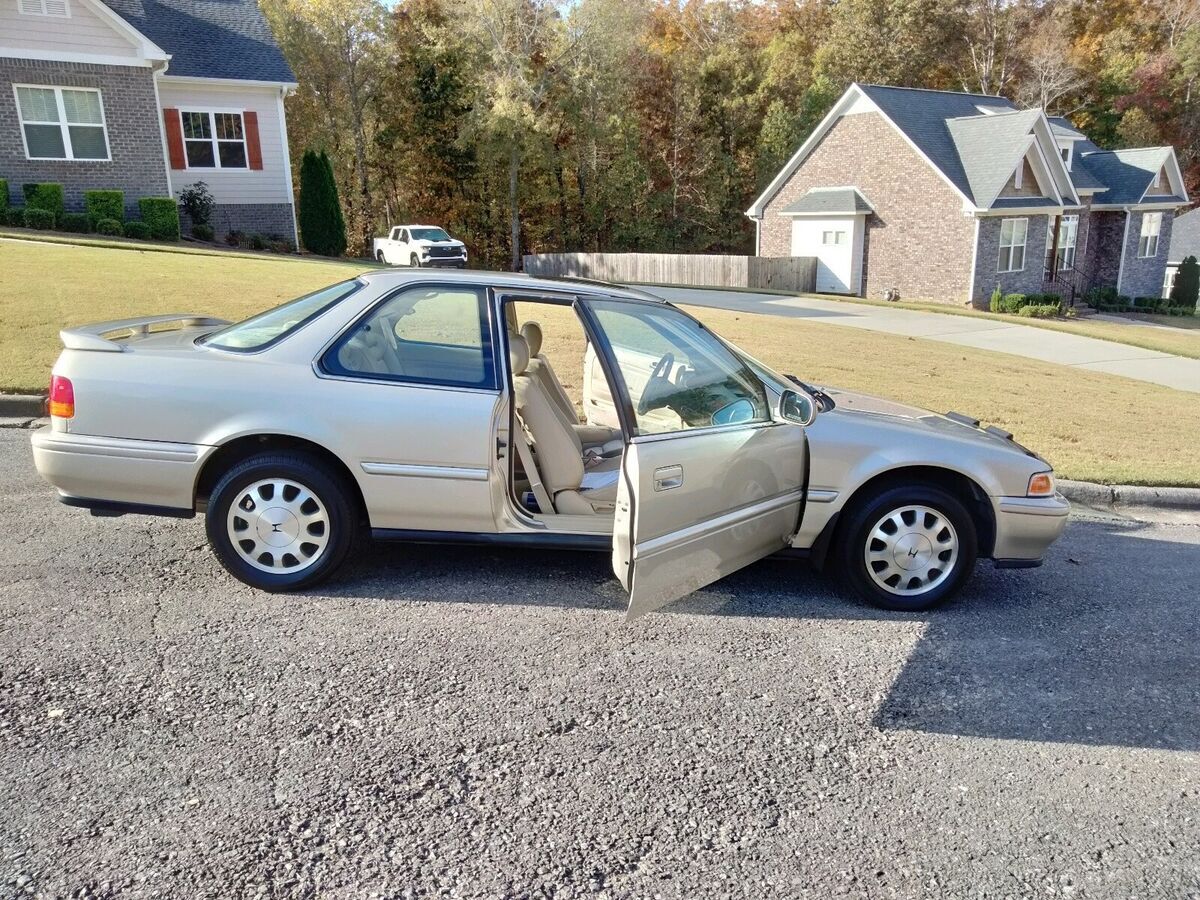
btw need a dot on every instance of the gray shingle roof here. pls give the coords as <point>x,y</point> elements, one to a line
<point>1185,237</point>
<point>922,116</point>
<point>1023,202</point>
<point>833,201</point>
<point>1081,177</point>
<point>990,148</point>
<point>1062,127</point>
<point>209,38</point>
<point>1125,173</point>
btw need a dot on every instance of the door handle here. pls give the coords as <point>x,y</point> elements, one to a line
<point>668,477</point>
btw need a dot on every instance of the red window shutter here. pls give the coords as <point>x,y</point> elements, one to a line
<point>174,138</point>
<point>253,145</point>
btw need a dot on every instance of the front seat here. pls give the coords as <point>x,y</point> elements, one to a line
<point>603,440</point>
<point>574,488</point>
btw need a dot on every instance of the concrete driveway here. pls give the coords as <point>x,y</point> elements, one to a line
<point>478,724</point>
<point>986,334</point>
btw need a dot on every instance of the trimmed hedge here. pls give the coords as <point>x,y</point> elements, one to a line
<point>104,205</point>
<point>14,217</point>
<point>137,229</point>
<point>161,215</point>
<point>47,196</point>
<point>1039,311</point>
<point>3,195</point>
<point>38,218</point>
<point>109,227</point>
<point>74,222</point>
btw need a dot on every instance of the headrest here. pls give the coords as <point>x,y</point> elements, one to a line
<point>518,354</point>
<point>532,332</point>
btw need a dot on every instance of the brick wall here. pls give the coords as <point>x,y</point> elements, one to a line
<point>271,220</point>
<point>135,142</point>
<point>1027,281</point>
<point>1144,277</point>
<point>918,240</point>
<point>1108,230</point>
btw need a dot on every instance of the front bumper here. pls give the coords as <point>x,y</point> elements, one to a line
<point>104,472</point>
<point>444,261</point>
<point>1025,527</point>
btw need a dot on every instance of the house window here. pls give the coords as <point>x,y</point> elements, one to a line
<point>57,8</point>
<point>62,123</point>
<point>1066,156</point>
<point>833,237</point>
<point>1148,243</point>
<point>214,140</point>
<point>1169,281</point>
<point>1012,245</point>
<point>1068,234</point>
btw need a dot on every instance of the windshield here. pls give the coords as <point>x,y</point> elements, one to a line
<point>429,234</point>
<point>266,328</point>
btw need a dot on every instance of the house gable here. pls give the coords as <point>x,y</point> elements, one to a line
<point>89,32</point>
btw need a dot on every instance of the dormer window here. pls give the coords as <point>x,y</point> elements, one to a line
<point>1066,155</point>
<point>59,9</point>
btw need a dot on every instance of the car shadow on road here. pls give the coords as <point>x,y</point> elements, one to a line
<point>1098,647</point>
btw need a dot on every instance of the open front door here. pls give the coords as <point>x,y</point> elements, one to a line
<point>710,481</point>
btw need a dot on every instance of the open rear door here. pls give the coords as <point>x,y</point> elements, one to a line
<point>710,480</point>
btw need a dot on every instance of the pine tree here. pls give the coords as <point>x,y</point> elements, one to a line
<point>322,228</point>
<point>1187,283</point>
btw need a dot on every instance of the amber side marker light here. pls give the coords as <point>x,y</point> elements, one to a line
<point>1041,485</point>
<point>62,397</point>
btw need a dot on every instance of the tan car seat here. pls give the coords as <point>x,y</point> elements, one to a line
<point>573,487</point>
<point>605,441</point>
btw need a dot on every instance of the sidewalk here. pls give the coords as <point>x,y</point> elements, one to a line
<point>985,334</point>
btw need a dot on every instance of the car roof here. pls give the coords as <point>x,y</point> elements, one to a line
<point>519,280</point>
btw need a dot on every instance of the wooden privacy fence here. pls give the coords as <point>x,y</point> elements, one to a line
<point>781,273</point>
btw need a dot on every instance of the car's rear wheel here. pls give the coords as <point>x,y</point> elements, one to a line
<point>907,548</point>
<point>280,521</point>
<point>415,261</point>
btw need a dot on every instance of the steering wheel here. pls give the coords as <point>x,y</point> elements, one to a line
<point>658,385</point>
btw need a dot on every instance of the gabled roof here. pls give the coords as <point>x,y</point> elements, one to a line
<point>1126,174</point>
<point>991,147</point>
<point>209,38</point>
<point>1062,127</point>
<point>844,201</point>
<point>1185,237</point>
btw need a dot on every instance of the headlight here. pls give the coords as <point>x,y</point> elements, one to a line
<point>1041,484</point>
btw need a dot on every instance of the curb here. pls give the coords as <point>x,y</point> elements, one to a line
<point>1129,495</point>
<point>22,405</point>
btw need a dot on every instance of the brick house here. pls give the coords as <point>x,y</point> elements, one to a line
<point>944,195</point>
<point>148,98</point>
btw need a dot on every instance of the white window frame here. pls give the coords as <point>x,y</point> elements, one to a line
<point>1169,281</point>
<point>1012,246</point>
<point>63,124</point>
<point>212,113</point>
<point>833,237</point>
<point>42,8</point>
<point>1149,240</point>
<point>1064,225</point>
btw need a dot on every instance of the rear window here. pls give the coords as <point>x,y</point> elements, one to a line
<point>261,331</point>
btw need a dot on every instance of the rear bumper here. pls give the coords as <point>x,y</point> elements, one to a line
<point>117,472</point>
<point>1025,527</point>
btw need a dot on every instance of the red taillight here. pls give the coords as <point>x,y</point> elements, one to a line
<point>62,397</point>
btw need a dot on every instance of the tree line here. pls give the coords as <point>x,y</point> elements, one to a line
<point>617,125</point>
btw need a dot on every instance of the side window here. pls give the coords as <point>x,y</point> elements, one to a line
<point>403,235</point>
<point>678,376</point>
<point>426,335</point>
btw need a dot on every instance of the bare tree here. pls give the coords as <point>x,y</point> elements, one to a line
<point>1177,16</point>
<point>991,36</point>
<point>1048,73</point>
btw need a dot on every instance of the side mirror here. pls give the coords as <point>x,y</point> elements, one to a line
<point>797,407</point>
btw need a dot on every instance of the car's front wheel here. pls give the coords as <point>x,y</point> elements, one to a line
<point>907,548</point>
<point>280,521</point>
<point>415,261</point>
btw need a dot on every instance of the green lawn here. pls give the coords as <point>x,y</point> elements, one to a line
<point>1091,426</point>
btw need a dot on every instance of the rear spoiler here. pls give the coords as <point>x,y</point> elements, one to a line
<point>96,337</point>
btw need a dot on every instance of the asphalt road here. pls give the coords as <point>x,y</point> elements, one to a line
<point>472,723</point>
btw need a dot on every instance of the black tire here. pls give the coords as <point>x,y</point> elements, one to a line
<point>415,261</point>
<point>314,476</point>
<point>860,520</point>
<point>379,257</point>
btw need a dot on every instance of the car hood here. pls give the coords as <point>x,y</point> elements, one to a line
<point>421,242</point>
<point>864,407</point>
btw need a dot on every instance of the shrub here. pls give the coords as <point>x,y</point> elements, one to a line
<point>109,227</point>
<point>47,196</point>
<point>258,242</point>
<point>74,222</point>
<point>104,205</point>
<point>136,228</point>
<point>3,196</point>
<point>281,245</point>
<point>322,228</point>
<point>14,217</point>
<point>997,300</point>
<point>1187,284</point>
<point>1011,303</point>
<point>198,202</point>
<point>161,215</point>
<point>202,232</point>
<point>38,218</point>
<point>235,238</point>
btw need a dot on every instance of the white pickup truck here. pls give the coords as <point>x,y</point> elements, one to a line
<point>420,245</point>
